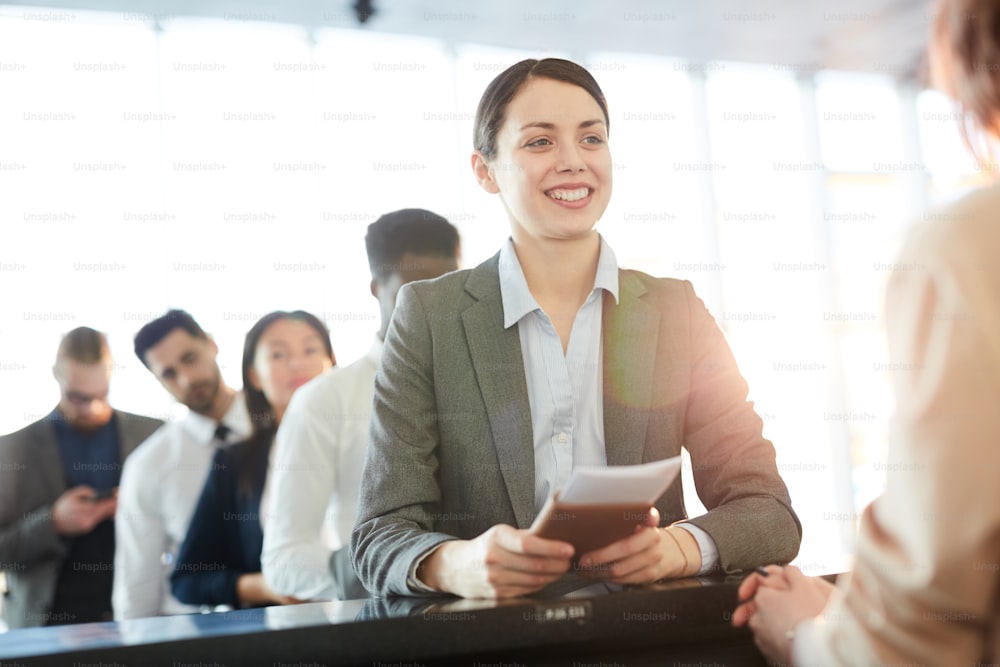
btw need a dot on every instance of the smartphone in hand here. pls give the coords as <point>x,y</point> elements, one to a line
<point>103,494</point>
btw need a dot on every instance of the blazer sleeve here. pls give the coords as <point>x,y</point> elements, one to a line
<point>749,515</point>
<point>27,535</point>
<point>400,490</point>
<point>207,564</point>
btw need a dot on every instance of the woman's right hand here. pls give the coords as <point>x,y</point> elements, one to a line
<point>503,562</point>
<point>252,590</point>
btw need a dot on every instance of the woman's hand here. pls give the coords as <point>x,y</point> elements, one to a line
<point>773,606</point>
<point>252,590</point>
<point>502,562</point>
<point>649,555</point>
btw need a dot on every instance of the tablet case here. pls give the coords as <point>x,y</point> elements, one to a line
<point>588,527</point>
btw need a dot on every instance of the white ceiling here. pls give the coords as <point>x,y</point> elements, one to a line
<point>886,36</point>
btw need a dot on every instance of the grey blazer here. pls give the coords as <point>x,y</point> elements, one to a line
<point>450,443</point>
<point>31,480</point>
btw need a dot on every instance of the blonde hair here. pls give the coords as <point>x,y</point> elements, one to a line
<point>84,345</point>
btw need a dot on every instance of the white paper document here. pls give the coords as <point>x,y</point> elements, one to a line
<point>602,485</point>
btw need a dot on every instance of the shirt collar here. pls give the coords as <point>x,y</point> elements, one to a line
<point>375,351</point>
<point>517,298</point>
<point>202,428</point>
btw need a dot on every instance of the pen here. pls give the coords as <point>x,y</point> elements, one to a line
<point>762,571</point>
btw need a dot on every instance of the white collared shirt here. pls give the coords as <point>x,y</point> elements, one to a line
<point>565,390</point>
<point>315,476</point>
<point>160,485</point>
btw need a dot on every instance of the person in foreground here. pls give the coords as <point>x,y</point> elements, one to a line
<point>319,450</point>
<point>495,382</point>
<point>923,589</point>
<point>219,561</point>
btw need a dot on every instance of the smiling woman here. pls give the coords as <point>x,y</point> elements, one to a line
<point>555,358</point>
<point>550,164</point>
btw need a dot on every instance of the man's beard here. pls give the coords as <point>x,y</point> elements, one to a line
<point>90,424</point>
<point>203,405</point>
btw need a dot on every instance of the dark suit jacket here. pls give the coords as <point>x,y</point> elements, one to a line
<point>451,454</point>
<point>31,480</point>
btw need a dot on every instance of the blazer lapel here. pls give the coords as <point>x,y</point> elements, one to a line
<point>629,336</point>
<point>496,358</point>
<point>128,436</point>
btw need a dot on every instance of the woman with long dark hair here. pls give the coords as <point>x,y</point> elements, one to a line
<point>219,561</point>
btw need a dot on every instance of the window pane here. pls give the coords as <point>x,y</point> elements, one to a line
<point>654,221</point>
<point>775,278</point>
<point>859,120</point>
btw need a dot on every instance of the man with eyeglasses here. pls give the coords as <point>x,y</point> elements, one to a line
<point>58,493</point>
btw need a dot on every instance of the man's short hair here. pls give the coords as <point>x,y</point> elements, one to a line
<point>410,230</point>
<point>83,345</point>
<point>156,330</point>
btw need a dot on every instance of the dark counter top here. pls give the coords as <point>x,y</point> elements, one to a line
<point>673,624</point>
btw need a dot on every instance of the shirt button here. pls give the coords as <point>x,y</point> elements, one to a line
<point>563,438</point>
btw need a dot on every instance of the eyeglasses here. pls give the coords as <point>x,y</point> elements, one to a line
<point>81,400</point>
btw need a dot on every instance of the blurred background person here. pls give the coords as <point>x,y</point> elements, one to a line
<point>927,565</point>
<point>160,486</point>
<point>58,485</point>
<point>321,444</point>
<point>219,561</point>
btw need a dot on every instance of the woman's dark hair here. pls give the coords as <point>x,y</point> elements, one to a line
<point>263,421</point>
<point>965,60</point>
<point>496,97</point>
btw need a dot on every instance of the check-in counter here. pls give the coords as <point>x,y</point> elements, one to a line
<point>672,624</point>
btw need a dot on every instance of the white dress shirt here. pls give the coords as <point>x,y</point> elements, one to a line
<point>160,485</point>
<point>315,475</point>
<point>564,390</point>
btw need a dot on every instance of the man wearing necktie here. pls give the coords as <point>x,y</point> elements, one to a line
<point>221,431</point>
<point>162,481</point>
